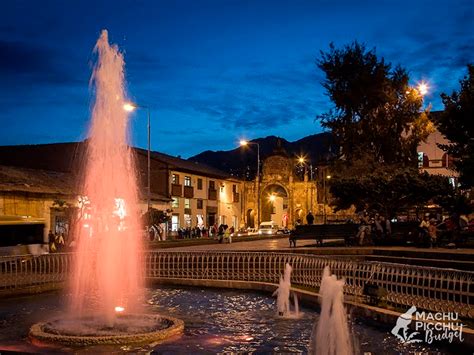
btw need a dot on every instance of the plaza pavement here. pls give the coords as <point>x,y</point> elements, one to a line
<point>282,244</point>
<point>270,244</point>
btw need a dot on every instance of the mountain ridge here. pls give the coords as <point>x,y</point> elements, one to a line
<point>241,161</point>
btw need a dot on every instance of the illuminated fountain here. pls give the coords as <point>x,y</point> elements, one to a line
<point>106,286</point>
<point>331,333</point>
<point>283,295</point>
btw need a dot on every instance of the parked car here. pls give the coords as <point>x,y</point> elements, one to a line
<point>268,228</point>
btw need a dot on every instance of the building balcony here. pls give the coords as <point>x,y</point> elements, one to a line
<point>188,192</point>
<point>236,197</point>
<point>176,190</point>
<point>212,194</point>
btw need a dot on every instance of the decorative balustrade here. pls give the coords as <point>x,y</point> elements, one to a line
<point>26,271</point>
<point>440,290</point>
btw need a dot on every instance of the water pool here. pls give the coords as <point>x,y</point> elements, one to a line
<point>216,321</point>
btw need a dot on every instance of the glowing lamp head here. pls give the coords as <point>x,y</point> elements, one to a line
<point>129,107</point>
<point>119,309</point>
<point>422,88</point>
<point>272,198</point>
<point>243,142</point>
<point>328,177</point>
<point>301,160</point>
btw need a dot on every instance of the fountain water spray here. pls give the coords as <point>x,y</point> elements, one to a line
<point>331,334</point>
<point>107,281</point>
<point>107,269</point>
<point>283,295</point>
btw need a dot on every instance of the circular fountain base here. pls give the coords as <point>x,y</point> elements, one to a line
<point>127,330</point>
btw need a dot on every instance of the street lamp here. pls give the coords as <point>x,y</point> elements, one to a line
<point>302,161</point>
<point>129,107</point>
<point>422,88</point>
<point>245,143</point>
<point>272,199</point>
<point>327,177</point>
<point>308,185</point>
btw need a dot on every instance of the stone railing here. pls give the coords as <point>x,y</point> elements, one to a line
<point>441,290</point>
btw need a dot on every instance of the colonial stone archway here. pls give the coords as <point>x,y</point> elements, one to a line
<point>274,204</point>
<point>291,192</point>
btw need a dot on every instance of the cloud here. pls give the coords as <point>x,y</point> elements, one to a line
<point>246,96</point>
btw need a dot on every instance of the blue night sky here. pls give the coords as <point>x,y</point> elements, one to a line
<point>212,71</point>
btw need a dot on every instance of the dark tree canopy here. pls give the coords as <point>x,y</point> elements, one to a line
<point>378,122</point>
<point>457,124</point>
<point>376,115</point>
<point>389,190</point>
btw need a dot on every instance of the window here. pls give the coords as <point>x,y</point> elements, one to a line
<point>187,181</point>
<point>175,222</point>
<point>199,204</point>
<point>234,188</point>
<point>175,179</point>
<point>187,203</point>
<point>199,184</point>
<point>212,185</point>
<point>175,202</point>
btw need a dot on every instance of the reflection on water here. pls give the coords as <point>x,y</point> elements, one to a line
<point>216,321</point>
<point>231,321</point>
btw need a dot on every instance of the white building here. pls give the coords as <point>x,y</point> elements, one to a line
<point>434,160</point>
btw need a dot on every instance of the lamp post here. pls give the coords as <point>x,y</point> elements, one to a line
<point>244,143</point>
<point>327,177</point>
<point>272,199</point>
<point>129,107</point>
<point>302,162</point>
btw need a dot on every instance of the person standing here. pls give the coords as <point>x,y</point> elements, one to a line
<point>432,231</point>
<point>388,227</point>
<point>220,233</point>
<point>51,238</point>
<point>378,222</point>
<point>364,228</point>
<point>310,218</point>
<point>424,233</point>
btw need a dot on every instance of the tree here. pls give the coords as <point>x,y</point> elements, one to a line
<point>378,122</point>
<point>456,123</point>
<point>390,190</point>
<point>154,216</point>
<point>376,115</point>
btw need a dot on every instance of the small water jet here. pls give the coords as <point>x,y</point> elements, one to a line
<point>107,288</point>
<point>283,295</point>
<point>331,333</point>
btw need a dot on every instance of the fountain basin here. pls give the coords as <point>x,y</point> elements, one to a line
<point>128,329</point>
